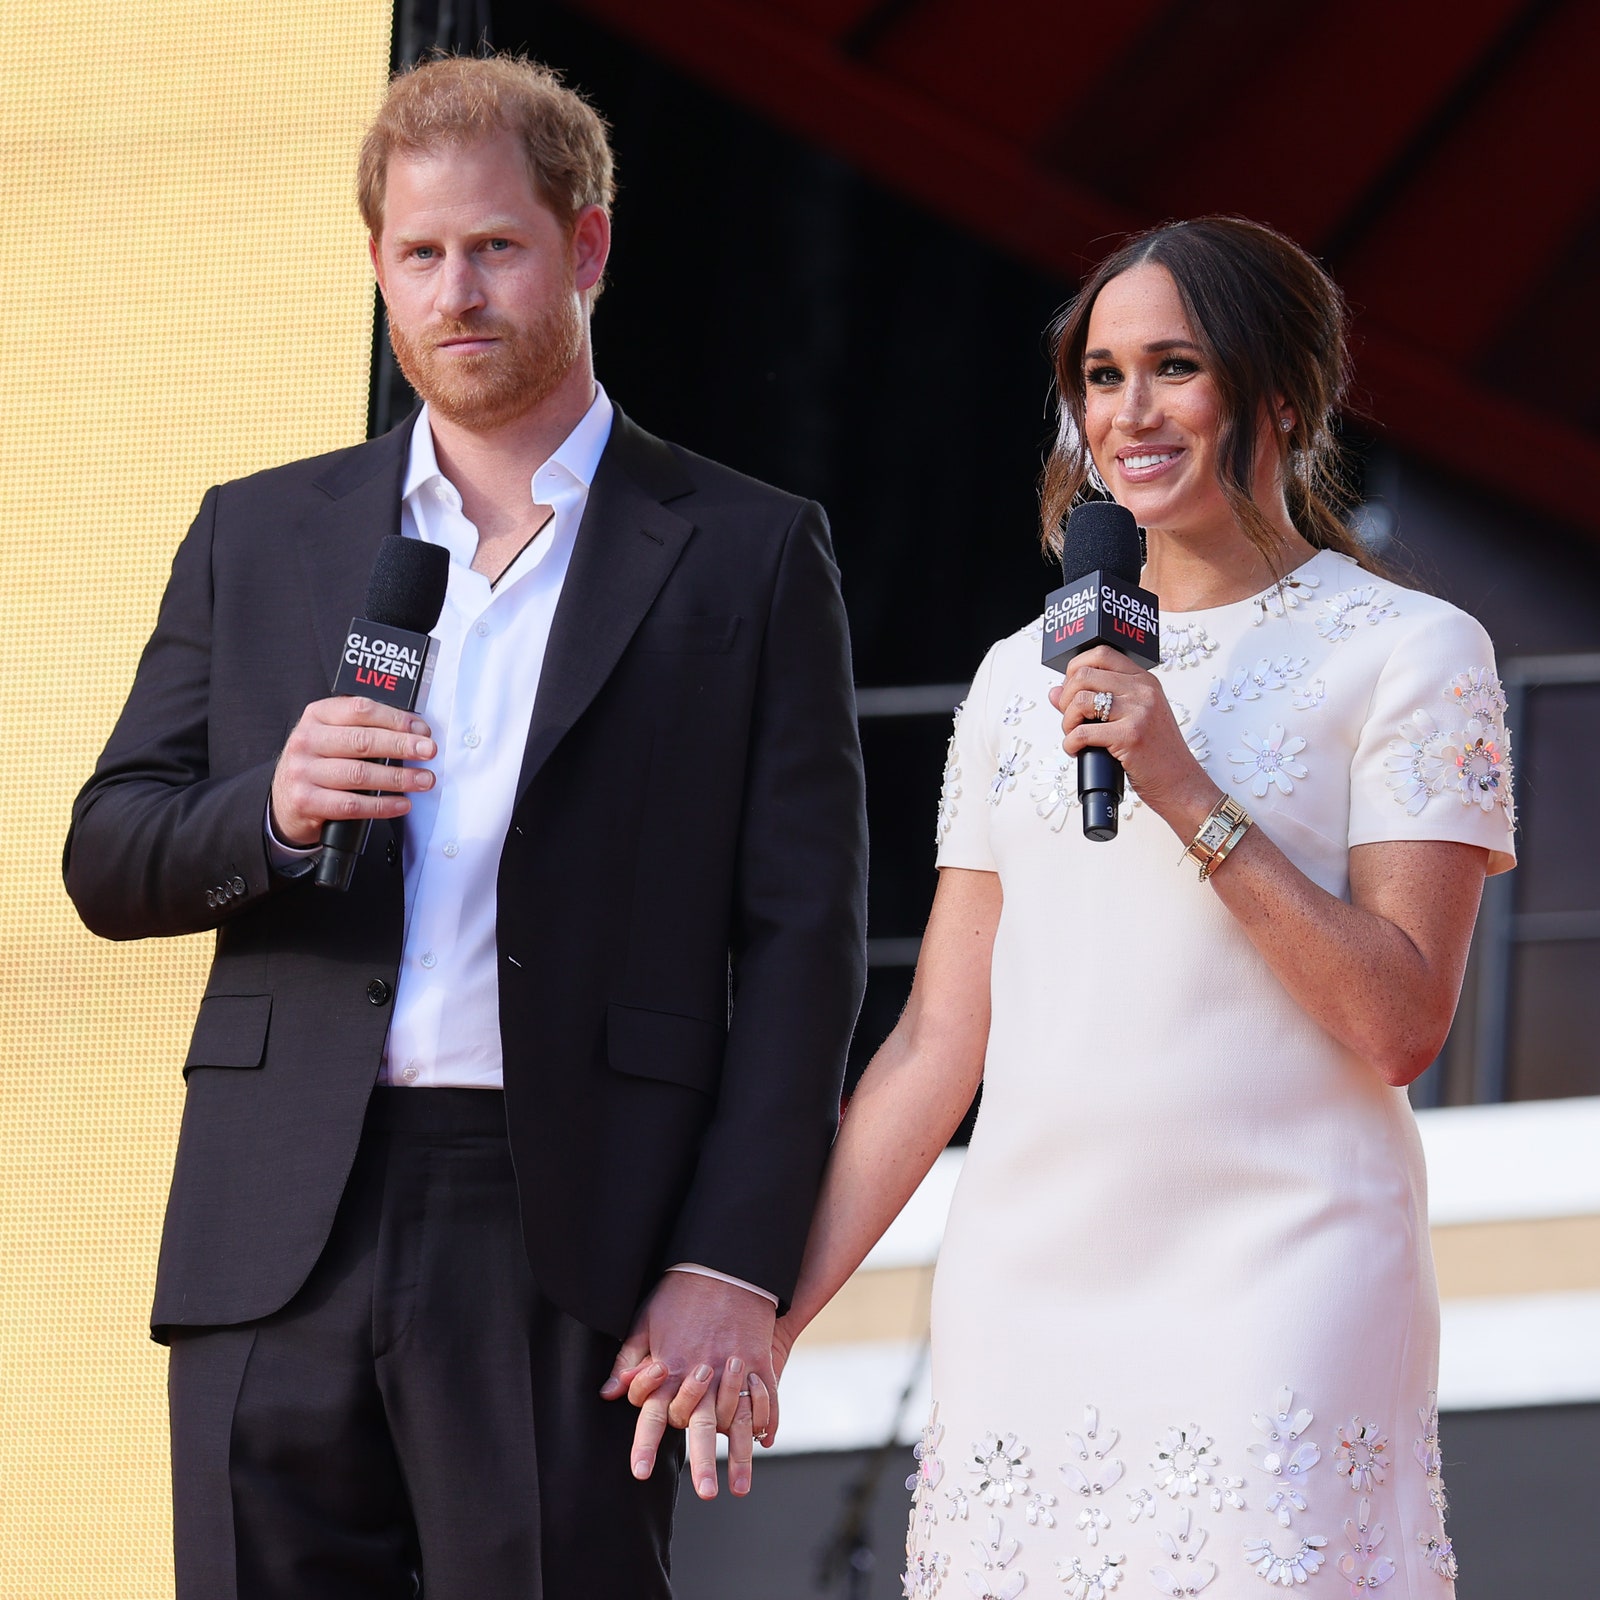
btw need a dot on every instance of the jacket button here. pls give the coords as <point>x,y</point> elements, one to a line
<point>211,898</point>
<point>237,885</point>
<point>391,853</point>
<point>378,992</point>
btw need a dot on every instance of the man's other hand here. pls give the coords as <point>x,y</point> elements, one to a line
<point>700,1358</point>
<point>335,756</point>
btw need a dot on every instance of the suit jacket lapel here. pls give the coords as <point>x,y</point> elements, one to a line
<point>339,539</point>
<point>627,544</point>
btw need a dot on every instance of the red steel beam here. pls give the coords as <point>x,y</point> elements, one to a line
<point>986,184</point>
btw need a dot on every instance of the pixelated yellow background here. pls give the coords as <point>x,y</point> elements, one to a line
<point>184,298</point>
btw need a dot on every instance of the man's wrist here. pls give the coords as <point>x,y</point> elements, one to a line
<point>287,860</point>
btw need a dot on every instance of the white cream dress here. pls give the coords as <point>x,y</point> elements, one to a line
<point>1185,1326</point>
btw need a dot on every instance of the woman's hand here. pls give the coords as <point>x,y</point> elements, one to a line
<point>1140,731</point>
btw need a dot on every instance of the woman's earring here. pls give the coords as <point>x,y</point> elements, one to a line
<point>1286,423</point>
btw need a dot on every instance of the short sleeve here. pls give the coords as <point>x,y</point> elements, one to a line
<point>963,830</point>
<point>1433,759</point>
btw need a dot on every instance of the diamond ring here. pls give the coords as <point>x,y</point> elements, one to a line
<point>1102,705</point>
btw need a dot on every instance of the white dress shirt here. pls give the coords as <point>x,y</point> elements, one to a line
<point>445,1026</point>
<point>445,1031</point>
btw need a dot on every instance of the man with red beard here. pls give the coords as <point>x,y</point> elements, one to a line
<point>537,1110</point>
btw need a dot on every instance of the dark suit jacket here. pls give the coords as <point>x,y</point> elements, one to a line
<point>681,892</point>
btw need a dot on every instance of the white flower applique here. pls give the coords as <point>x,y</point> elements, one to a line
<point>1035,629</point>
<point>1361,1572</point>
<point>1141,1503</point>
<point>924,1574</point>
<point>1269,759</point>
<point>1182,1543</point>
<point>1287,595</point>
<point>1055,790</point>
<point>1474,762</point>
<point>930,1469</point>
<point>1013,763</point>
<point>1090,1582</point>
<point>1184,646</point>
<point>1478,693</point>
<point>1288,1570</point>
<point>1439,1553</point>
<point>1347,611</point>
<point>1014,710</point>
<point>1095,1469</point>
<point>1000,1468</point>
<point>950,790</point>
<point>1184,1459</point>
<point>1428,1454</point>
<point>1041,1509</point>
<point>1481,757</point>
<point>991,1580</point>
<point>1362,1455</point>
<point>1311,695</point>
<point>1092,1522</point>
<point>1283,1455</point>
<point>1251,682</point>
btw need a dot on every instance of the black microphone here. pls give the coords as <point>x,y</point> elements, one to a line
<point>386,657</point>
<point>1100,603</point>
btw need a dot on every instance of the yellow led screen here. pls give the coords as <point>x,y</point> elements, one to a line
<point>184,298</point>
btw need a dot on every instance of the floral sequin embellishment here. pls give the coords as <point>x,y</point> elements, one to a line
<point>930,1469</point>
<point>1183,646</point>
<point>1182,1544</point>
<point>1250,683</point>
<point>950,790</point>
<point>1285,1570</point>
<point>992,1580</point>
<point>1429,1457</point>
<point>1014,710</point>
<point>1361,1572</point>
<point>1362,1455</point>
<point>1478,693</point>
<point>1473,762</point>
<point>1346,612</point>
<point>1287,595</point>
<point>924,1574</point>
<point>1013,763</point>
<point>1000,1468</point>
<point>1090,1583</point>
<point>1282,1454</point>
<point>1268,760</point>
<point>1439,1554</point>
<point>1184,1459</point>
<point>1055,790</point>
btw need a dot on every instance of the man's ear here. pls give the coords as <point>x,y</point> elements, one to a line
<point>591,248</point>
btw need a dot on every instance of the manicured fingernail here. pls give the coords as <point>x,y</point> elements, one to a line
<point>610,1386</point>
<point>418,725</point>
<point>641,1466</point>
<point>701,1373</point>
<point>708,1487</point>
<point>656,1370</point>
<point>426,749</point>
<point>735,1366</point>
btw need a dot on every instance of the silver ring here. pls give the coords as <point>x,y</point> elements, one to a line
<point>762,1435</point>
<point>1102,705</point>
<point>744,1394</point>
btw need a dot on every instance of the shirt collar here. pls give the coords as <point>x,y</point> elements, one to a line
<point>576,459</point>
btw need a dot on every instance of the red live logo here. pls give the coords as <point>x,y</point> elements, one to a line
<point>385,681</point>
<point>1119,626</point>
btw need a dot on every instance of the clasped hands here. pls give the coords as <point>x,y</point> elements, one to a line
<point>703,1356</point>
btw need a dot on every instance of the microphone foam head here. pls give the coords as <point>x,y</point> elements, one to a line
<point>1100,536</point>
<point>408,582</point>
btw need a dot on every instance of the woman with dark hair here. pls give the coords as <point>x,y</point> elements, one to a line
<point>1185,1324</point>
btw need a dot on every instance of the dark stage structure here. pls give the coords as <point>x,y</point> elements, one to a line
<point>843,226</point>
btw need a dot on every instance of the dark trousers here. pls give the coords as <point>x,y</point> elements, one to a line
<point>419,1419</point>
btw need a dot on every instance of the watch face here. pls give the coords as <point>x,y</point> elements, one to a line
<point>1215,831</point>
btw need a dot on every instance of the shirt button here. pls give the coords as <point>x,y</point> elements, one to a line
<point>378,992</point>
<point>482,630</point>
<point>410,1072</point>
<point>452,849</point>
<point>429,959</point>
<point>472,738</point>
